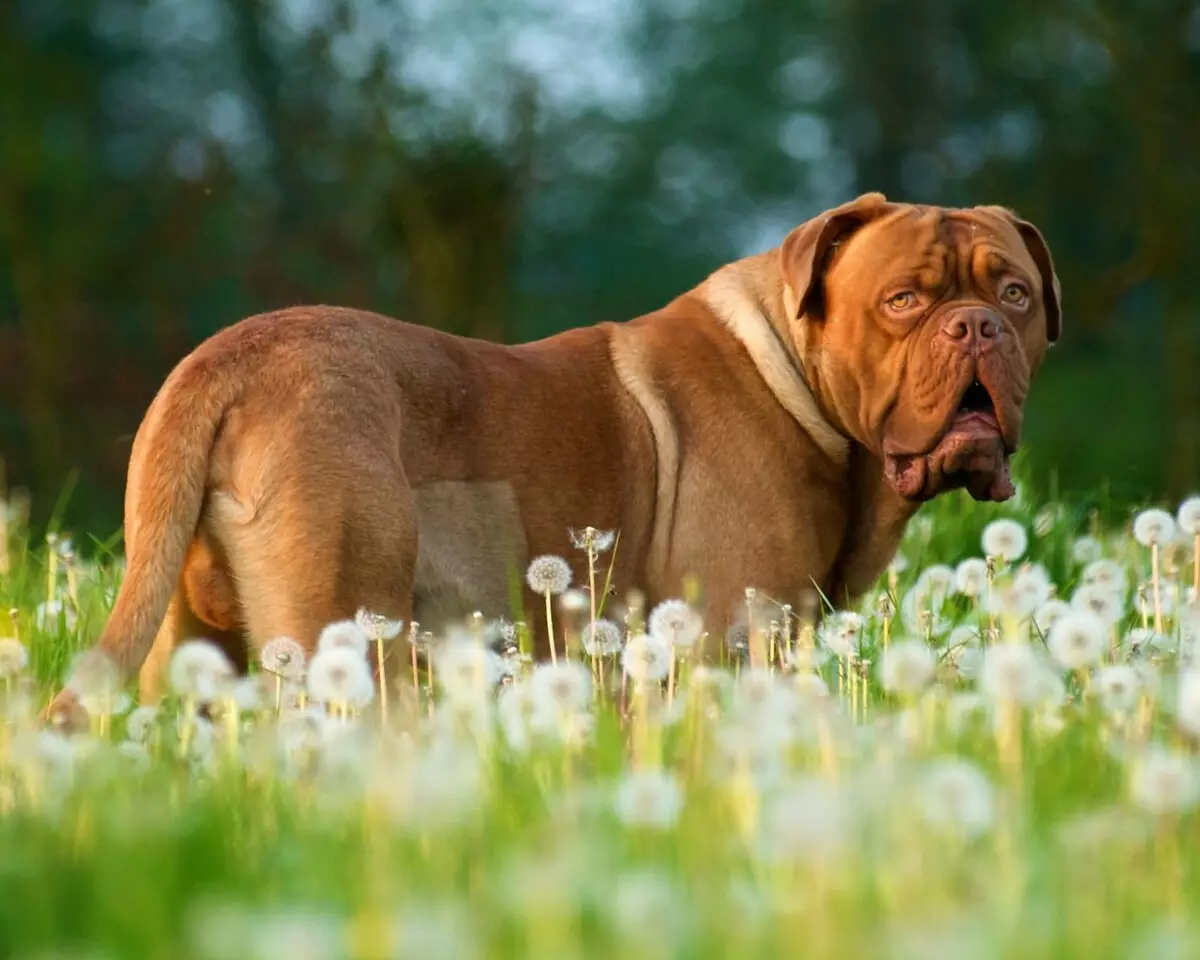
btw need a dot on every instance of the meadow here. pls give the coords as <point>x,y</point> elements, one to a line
<point>993,754</point>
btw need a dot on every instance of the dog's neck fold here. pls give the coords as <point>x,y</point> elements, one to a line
<point>753,302</point>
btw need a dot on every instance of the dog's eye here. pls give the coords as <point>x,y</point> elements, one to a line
<point>1015,293</point>
<point>903,300</point>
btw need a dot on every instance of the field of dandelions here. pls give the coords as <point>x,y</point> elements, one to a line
<point>994,754</point>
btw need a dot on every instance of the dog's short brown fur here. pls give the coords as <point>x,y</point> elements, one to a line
<point>774,427</point>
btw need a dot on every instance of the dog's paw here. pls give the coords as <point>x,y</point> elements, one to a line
<point>65,713</point>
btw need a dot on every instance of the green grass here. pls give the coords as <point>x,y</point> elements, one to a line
<point>806,824</point>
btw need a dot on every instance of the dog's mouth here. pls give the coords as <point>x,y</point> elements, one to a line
<point>970,451</point>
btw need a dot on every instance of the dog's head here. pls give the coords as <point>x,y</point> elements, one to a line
<point>919,328</point>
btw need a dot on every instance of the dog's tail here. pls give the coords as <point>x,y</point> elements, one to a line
<point>164,495</point>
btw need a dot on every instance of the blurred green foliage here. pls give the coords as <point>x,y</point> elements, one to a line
<point>508,169</point>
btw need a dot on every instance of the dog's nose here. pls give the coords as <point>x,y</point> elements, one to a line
<point>973,329</point>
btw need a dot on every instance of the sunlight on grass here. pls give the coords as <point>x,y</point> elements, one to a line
<point>993,753</point>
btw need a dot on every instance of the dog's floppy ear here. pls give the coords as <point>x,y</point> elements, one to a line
<point>1036,244</point>
<point>805,252</point>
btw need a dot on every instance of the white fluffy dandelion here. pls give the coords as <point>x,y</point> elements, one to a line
<point>199,671</point>
<point>602,638</point>
<point>1188,516</point>
<point>921,613</point>
<point>971,577</point>
<point>563,688</point>
<point>1010,673</point>
<point>13,657</point>
<point>1118,688</point>
<point>957,796</point>
<point>346,634</point>
<point>1005,539</point>
<point>548,574</point>
<point>938,581</point>
<point>1163,781</point>
<point>377,626</point>
<point>841,633</point>
<point>141,723</point>
<point>338,675</point>
<point>1187,704</point>
<point>1086,550</point>
<point>1077,640</point>
<point>677,623</point>
<point>907,668</point>
<point>648,799</point>
<point>806,820</point>
<point>1049,613</point>
<point>646,658</point>
<point>466,670</point>
<point>1153,526</point>
<point>1105,605</point>
<point>1107,574</point>
<point>1033,588</point>
<point>283,657</point>
<point>599,541</point>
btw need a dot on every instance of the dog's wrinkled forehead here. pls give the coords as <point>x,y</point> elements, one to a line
<point>931,247</point>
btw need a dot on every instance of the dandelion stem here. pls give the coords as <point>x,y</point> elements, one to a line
<point>550,627</point>
<point>1158,616</point>
<point>383,691</point>
<point>1196,569</point>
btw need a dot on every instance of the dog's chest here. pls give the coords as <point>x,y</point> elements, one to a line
<point>471,546</point>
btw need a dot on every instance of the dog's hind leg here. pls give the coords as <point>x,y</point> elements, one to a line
<point>310,557</point>
<point>182,624</point>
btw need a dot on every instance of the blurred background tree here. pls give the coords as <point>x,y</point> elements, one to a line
<point>509,169</point>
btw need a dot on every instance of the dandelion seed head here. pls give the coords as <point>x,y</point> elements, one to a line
<point>603,638</point>
<point>1033,588</point>
<point>141,723</point>
<point>1118,688</point>
<point>564,688</point>
<point>841,633</point>
<point>971,577</point>
<point>377,626</point>
<point>806,820</point>
<point>1102,603</point>
<point>1010,672</point>
<point>199,671</point>
<point>1005,539</point>
<point>1077,640</point>
<point>1049,613</point>
<point>957,796</point>
<point>1187,705</point>
<point>677,623</point>
<point>1188,516</point>
<point>937,581</point>
<point>648,799</point>
<point>921,613</point>
<point>907,667</point>
<point>600,541</point>
<point>466,670</point>
<point>346,634</point>
<point>285,658</point>
<point>1163,781</point>
<point>965,660</point>
<point>575,601</point>
<point>340,675</point>
<point>646,658</point>
<point>548,574</point>
<point>1086,550</point>
<point>1153,526</point>
<point>14,658</point>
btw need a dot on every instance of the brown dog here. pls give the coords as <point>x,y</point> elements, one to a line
<point>775,427</point>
